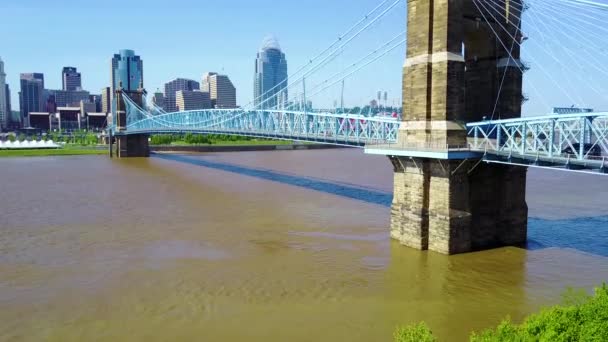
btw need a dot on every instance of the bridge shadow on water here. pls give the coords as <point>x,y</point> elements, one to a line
<point>351,191</point>
<point>588,234</point>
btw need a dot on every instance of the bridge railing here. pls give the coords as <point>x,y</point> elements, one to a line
<point>580,136</point>
<point>423,146</point>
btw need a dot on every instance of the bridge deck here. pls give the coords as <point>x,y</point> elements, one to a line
<point>424,151</point>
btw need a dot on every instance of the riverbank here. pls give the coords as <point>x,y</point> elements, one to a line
<point>239,147</point>
<point>67,151</point>
<point>102,150</point>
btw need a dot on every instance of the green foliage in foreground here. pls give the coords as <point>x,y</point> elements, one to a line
<point>581,318</point>
<point>418,332</point>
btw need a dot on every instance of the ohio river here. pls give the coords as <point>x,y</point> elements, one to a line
<point>264,246</point>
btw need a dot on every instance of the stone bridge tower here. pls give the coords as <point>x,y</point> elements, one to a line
<point>445,199</point>
<point>134,145</point>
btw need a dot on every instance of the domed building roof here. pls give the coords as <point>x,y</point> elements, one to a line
<point>270,42</point>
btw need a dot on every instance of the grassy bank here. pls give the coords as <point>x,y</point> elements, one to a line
<point>580,318</point>
<point>67,151</point>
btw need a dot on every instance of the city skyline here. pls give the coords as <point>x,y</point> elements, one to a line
<point>228,51</point>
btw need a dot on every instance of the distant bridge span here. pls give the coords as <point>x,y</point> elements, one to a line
<point>312,126</point>
<point>574,142</point>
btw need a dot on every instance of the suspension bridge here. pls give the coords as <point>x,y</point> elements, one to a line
<point>461,148</point>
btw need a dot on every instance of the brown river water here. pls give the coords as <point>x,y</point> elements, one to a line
<point>264,246</point>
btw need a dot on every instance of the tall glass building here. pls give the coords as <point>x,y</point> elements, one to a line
<point>71,79</point>
<point>31,97</point>
<point>128,69</point>
<point>270,80</point>
<point>4,113</point>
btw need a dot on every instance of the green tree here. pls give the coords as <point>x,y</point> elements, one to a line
<point>414,333</point>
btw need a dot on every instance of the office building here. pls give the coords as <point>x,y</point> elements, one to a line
<point>9,109</point>
<point>96,121</point>
<point>65,98</point>
<point>50,106</point>
<point>96,99</point>
<point>40,120</point>
<point>127,68</point>
<point>171,89</point>
<point>159,99</point>
<point>270,79</point>
<point>106,100</point>
<point>192,100</point>
<point>31,96</point>
<point>71,80</point>
<point>87,107</point>
<point>4,111</point>
<point>221,90</point>
<point>69,118</point>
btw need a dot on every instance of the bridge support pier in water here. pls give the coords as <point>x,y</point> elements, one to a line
<point>457,206</point>
<point>128,145</point>
<point>456,71</point>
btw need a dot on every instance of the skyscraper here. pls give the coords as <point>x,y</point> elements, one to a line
<point>171,89</point>
<point>106,100</point>
<point>9,108</point>
<point>270,80</point>
<point>221,90</point>
<point>71,80</point>
<point>4,113</point>
<point>127,68</point>
<point>192,100</point>
<point>31,97</point>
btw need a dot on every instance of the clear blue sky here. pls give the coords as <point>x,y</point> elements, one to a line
<point>189,37</point>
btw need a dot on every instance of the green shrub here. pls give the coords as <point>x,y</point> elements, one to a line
<point>414,333</point>
<point>581,318</point>
<point>162,139</point>
<point>584,320</point>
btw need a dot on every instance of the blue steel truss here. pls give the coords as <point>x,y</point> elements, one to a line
<point>320,127</point>
<point>577,142</point>
<point>572,141</point>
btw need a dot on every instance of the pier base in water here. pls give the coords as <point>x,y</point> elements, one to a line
<point>443,206</point>
<point>132,146</point>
